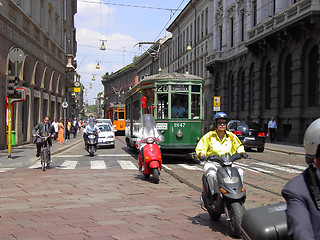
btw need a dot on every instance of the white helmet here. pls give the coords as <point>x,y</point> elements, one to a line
<point>311,141</point>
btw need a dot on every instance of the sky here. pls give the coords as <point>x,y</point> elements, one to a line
<point>123,24</point>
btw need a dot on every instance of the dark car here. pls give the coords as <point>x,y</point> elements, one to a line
<point>250,134</point>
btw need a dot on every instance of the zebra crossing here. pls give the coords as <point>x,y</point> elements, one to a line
<point>70,162</point>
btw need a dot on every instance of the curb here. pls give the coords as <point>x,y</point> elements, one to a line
<point>59,150</point>
<point>285,151</point>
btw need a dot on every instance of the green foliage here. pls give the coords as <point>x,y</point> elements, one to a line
<point>91,108</point>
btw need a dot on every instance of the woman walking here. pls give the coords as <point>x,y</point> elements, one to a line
<point>60,132</point>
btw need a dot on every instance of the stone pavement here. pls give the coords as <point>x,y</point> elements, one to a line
<point>101,204</point>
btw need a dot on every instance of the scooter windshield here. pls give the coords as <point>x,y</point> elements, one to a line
<point>149,127</point>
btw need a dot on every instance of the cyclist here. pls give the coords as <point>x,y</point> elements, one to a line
<point>45,129</point>
<point>302,192</point>
<point>218,141</point>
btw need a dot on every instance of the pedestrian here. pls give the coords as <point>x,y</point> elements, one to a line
<point>56,128</point>
<point>60,132</point>
<point>302,192</point>
<point>75,127</point>
<point>68,129</point>
<point>272,129</point>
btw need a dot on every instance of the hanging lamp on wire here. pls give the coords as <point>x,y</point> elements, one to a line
<point>93,78</point>
<point>98,65</point>
<point>103,47</point>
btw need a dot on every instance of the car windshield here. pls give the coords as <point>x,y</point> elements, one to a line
<point>105,128</point>
<point>243,127</point>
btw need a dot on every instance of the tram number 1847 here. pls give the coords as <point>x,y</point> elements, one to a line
<point>179,125</point>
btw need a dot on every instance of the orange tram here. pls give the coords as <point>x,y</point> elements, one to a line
<point>117,114</point>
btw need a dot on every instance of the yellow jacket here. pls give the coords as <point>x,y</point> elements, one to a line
<point>210,144</point>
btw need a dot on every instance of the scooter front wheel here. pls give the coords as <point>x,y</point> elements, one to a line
<point>155,174</point>
<point>235,212</point>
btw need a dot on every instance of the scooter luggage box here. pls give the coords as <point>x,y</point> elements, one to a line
<point>265,223</point>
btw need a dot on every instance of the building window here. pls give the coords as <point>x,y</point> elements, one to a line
<point>273,7</point>
<point>242,27</point>
<point>230,92</point>
<point>254,11</point>
<point>313,80</point>
<point>231,31</point>
<point>288,82</point>
<point>251,88</point>
<point>268,86</point>
<point>241,91</point>
<point>220,38</point>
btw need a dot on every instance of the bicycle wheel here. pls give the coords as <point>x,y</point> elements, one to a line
<point>43,159</point>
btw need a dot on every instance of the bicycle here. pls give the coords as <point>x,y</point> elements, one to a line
<point>45,152</point>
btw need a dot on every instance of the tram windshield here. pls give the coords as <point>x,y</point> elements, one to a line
<point>177,102</point>
<point>179,108</point>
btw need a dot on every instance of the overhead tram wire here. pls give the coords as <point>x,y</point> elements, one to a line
<point>111,49</point>
<point>175,10</point>
<point>127,5</point>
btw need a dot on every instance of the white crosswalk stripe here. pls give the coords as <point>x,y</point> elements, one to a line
<point>190,167</point>
<point>68,165</point>
<point>98,164</point>
<point>5,169</point>
<point>128,165</point>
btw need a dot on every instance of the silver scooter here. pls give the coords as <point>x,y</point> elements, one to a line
<point>231,196</point>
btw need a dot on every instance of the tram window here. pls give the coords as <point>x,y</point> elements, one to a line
<point>179,108</point>
<point>121,115</point>
<point>162,106</point>
<point>195,88</point>
<point>195,106</point>
<point>115,116</point>
<point>136,110</point>
<point>148,93</point>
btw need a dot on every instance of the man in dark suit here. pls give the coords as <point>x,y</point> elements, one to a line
<point>302,192</point>
<point>44,129</point>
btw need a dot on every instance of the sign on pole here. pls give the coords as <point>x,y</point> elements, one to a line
<point>216,103</point>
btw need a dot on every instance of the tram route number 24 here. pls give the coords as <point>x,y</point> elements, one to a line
<point>179,125</point>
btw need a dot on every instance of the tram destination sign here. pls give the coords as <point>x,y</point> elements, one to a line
<point>180,87</point>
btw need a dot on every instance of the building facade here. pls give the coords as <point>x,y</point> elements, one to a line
<point>44,31</point>
<point>260,57</point>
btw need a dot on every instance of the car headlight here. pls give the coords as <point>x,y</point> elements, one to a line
<point>110,137</point>
<point>179,133</point>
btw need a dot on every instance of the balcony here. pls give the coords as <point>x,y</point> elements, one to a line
<point>302,10</point>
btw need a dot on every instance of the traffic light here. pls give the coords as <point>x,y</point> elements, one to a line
<point>12,84</point>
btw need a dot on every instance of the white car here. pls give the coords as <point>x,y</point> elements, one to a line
<point>105,120</point>
<point>106,136</point>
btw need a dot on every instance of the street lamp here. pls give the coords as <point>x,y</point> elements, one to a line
<point>103,47</point>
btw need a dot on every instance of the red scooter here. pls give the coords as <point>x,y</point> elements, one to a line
<point>150,160</point>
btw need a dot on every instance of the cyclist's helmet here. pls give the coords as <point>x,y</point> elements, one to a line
<point>311,142</point>
<point>219,115</point>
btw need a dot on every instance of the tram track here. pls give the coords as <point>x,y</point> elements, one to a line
<point>255,186</point>
<point>184,180</point>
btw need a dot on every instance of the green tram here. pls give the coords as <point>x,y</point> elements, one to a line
<point>175,101</point>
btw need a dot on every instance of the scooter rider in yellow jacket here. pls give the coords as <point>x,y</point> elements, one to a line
<point>218,141</point>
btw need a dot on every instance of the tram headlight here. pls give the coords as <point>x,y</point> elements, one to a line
<point>179,133</point>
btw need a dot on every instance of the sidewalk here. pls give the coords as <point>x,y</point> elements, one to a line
<point>27,153</point>
<point>285,148</point>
